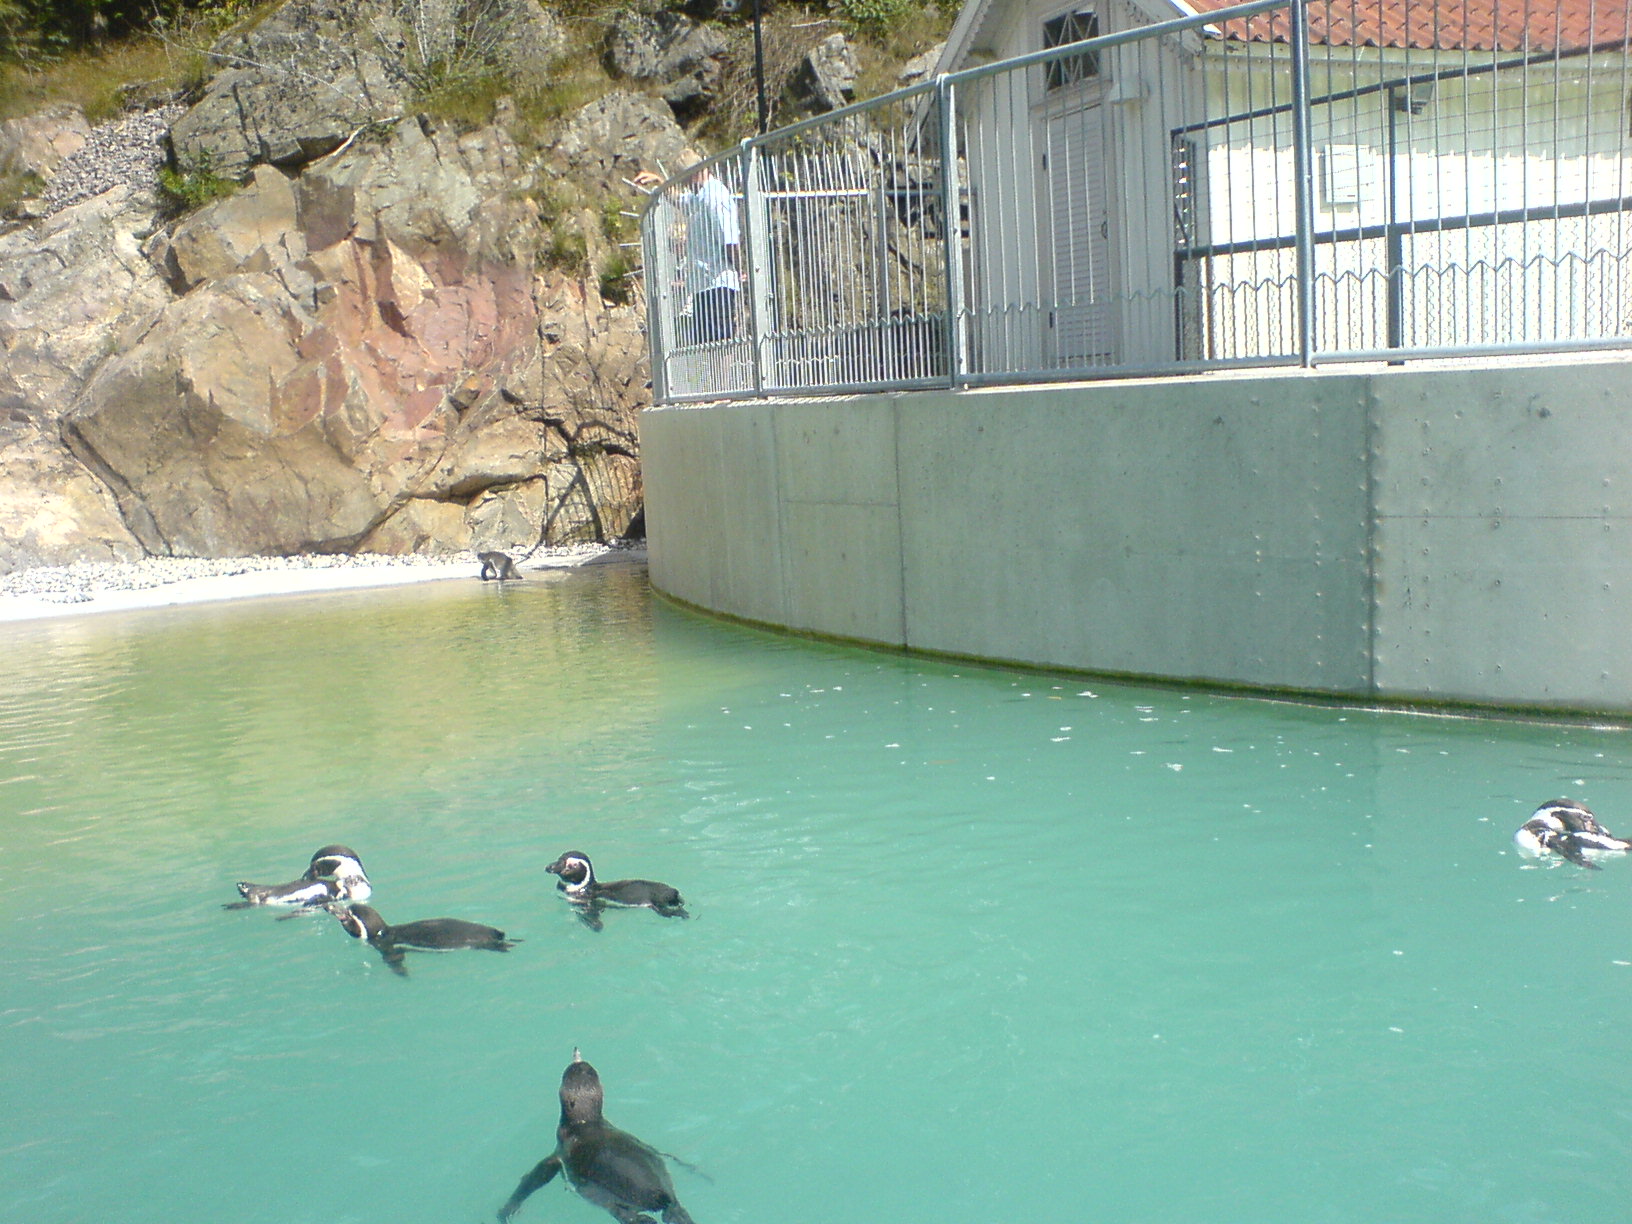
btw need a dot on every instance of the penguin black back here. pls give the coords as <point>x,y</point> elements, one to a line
<point>438,934</point>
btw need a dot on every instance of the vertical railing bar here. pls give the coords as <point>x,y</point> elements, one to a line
<point>657,290</point>
<point>1466,187</point>
<point>1393,246</point>
<point>1554,258</point>
<point>1425,311</point>
<point>882,283</point>
<point>750,249</point>
<point>1303,181</point>
<point>998,285</point>
<point>1612,308</point>
<point>1397,110</point>
<point>1023,343</point>
<point>952,236</point>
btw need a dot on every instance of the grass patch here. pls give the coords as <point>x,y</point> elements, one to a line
<point>567,251</point>
<point>617,279</point>
<point>464,100</point>
<point>573,82</point>
<point>189,188</point>
<point>16,186</point>
<point>172,58</point>
<point>90,80</point>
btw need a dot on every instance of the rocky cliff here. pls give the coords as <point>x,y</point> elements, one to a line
<point>345,326</point>
<point>363,347</point>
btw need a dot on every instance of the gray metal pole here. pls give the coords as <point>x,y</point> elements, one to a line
<point>659,306</point>
<point>1304,178</point>
<point>749,253</point>
<point>952,237</point>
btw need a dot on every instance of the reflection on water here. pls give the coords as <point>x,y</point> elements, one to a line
<point>967,944</point>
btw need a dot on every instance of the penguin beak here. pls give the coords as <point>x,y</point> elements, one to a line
<point>576,1057</point>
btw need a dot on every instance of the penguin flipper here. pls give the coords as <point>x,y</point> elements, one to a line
<point>1571,849</point>
<point>686,1165</point>
<point>539,1175</point>
<point>393,956</point>
<point>590,914</point>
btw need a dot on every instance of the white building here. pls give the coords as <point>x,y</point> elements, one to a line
<point>1136,206</point>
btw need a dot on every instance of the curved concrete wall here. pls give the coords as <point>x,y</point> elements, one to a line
<point>1447,535</point>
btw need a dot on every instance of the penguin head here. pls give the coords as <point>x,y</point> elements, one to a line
<point>581,1097</point>
<point>341,865</point>
<point>338,861</point>
<point>575,870</point>
<point>1540,834</point>
<point>360,921</point>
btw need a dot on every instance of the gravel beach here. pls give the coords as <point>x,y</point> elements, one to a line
<point>104,586</point>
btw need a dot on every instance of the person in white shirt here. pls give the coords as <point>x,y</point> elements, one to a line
<point>711,259</point>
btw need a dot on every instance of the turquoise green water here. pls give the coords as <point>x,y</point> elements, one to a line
<point>968,945</point>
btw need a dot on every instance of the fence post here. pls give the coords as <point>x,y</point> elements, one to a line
<point>952,236</point>
<point>752,258</point>
<point>655,265</point>
<point>1303,184</point>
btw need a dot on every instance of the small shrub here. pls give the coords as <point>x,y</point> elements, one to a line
<point>876,18</point>
<point>557,199</point>
<point>16,186</point>
<point>573,82</point>
<point>456,56</point>
<point>616,224</point>
<point>617,279</point>
<point>568,251</point>
<point>464,99</point>
<point>188,188</point>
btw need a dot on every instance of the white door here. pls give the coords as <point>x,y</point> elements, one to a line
<point>1081,322</point>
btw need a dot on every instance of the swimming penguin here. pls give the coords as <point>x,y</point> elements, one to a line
<point>438,934</point>
<point>335,874</point>
<point>607,1166</point>
<point>1569,829</point>
<point>590,896</point>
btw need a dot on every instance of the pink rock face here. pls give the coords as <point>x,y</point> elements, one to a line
<point>358,359</point>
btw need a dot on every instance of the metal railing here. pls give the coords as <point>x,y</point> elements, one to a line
<point>1280,182</point>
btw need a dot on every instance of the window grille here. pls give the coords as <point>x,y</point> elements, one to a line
<point>1069,28</point>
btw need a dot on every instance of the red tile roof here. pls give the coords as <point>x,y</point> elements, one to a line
<point>1448,25</point>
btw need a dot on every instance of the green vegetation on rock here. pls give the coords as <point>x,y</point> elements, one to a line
<point>188,188</point>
